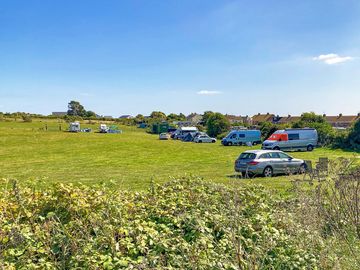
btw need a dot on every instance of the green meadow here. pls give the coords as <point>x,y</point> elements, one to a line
<point>131,160</point>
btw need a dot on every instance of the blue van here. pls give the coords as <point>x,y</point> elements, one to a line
<point>242,137</point>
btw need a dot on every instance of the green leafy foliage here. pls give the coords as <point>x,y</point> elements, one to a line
<point>326,134</point>
<point>216,124</point>
<point>184,224</point>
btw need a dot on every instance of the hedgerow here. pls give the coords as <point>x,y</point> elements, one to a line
<point>183,224</point>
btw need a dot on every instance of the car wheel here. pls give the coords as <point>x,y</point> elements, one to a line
<point>229,144</point>
<point>310,148</point>
<point>276,148</point>
<point>200,141</point>
<point>213,141</point>
<point>302,169</point>
<point>268,172</point>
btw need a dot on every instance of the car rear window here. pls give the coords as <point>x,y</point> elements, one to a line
<point>247,156</point>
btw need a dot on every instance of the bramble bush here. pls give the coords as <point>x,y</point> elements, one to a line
<point>183,224</point>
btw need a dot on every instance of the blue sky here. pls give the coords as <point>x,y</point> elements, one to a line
<point>136,56</point>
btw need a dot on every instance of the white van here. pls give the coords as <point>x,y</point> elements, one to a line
<point>292,139</point>
<point>242,137</point>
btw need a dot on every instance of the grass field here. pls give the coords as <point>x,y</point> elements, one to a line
<point>131,159</point>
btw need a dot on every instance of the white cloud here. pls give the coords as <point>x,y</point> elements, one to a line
<point>332,58</point>
<point>208,93</point>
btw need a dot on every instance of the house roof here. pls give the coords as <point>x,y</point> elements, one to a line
<point>235,117</point>
<point>289,119</point>
<point>342,118</point>
<point>263,117</point>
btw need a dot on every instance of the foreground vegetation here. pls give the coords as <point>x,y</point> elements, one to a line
<point>183,224</point>
<point>131,160</point>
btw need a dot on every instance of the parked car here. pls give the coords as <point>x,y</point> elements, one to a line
<point>242,137</point>
<point>296,139</point>
<point>204,139</point>
<point>268,163</point>
<point>164,136</point>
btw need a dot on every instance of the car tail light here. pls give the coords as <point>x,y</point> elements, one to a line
<point>253,163</point>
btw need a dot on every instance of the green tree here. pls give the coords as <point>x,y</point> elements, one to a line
<point>206,116</point>
<point>76,109</point>
<point>90,114</point>
<point>158,115</point>
<point>216,124</point>
<point>139,118</point>
<point>176,117</point>
<point>326,133</point>
<point>268,128</point>
<point>311,117</point>
<point>353,139</point>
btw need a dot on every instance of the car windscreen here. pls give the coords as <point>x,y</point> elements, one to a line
<point>247,156</point>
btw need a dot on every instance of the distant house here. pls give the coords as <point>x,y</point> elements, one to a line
<point>126,116</point>
<point>260,118</point>
<point>59,113</point>
<point>288,119</point>
<point>238,119</point>
<point>341,121</point>
<point>194,118</point>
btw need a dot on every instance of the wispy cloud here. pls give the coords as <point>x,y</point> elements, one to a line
<point>332,58</point>
<point>208,93</point>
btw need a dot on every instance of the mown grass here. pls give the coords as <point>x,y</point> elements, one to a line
<point>132,159</point>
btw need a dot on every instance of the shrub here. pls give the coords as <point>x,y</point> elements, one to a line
<point>184,224</point>
<point>26,118</point>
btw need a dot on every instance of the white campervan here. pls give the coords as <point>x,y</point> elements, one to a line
<point>292,139</point>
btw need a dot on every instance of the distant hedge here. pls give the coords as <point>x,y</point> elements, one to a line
<point>184,224</point>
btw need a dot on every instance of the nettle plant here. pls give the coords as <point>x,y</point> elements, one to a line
<point>183,224</point>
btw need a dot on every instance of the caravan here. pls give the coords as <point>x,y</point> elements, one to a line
<point>184,131</point>
<point>296,139</point>
<point>74,127</point>
<point>242,137</point>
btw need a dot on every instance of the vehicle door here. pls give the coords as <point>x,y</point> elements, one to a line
<point>288,164</point>
<point>241,138</point>
<point>205,138</point>
<point>234,138</point>
<point>294,141</point>
<point>276,162</point>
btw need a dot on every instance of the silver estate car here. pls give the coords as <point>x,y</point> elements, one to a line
<point>268,163</point>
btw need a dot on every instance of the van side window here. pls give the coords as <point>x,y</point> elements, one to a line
<point>242,135</point>
<point>293,136</point>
